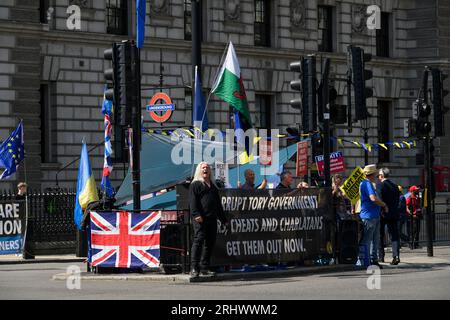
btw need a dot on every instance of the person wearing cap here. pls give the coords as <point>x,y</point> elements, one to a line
<point>414,211</point>
<point>370,213</point>
<point>403,216</point>
<point>390,194</point>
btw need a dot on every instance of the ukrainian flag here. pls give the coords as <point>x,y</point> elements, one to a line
<point>86,187</point>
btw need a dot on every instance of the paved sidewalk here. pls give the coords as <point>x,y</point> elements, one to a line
<point>18,259</point>
<point>417,258</point>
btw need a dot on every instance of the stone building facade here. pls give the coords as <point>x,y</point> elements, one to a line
<point>51,73</point>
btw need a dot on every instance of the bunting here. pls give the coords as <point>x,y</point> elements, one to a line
<point>365,146</point>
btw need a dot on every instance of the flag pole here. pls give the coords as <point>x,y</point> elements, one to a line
<point>215,79</point>
<point>24,252</point>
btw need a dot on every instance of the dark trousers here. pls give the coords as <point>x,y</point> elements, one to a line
<point>204,240</point>
<point>415,229</point>
<point>392,226</point>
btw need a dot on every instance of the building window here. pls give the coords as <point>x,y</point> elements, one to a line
<point>117,17</point>
<point>43,9</point>
<point>262,23</point>
<point>48,123</point>
<point>382,35</point>
<point>263,103</point>
<point>325,27</point>
<point>384,129</point>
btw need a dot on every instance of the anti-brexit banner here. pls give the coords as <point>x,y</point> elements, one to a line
<point>12,226</point>
<point>270,226</point>
<point>337,163</point>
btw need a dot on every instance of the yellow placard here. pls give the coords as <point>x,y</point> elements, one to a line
<point>351,186</point>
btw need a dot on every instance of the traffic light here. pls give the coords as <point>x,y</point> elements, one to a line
<point>123,87</point>
<point>306,84</point>
<point>316,145</point>
<point>124,83</point>
<point>423,126</point>
<point>438,101</point>
<point>296,84</point>
<point>431,153</point>
<point>359,77</point>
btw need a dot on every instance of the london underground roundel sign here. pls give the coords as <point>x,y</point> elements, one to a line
<point>166,107</point>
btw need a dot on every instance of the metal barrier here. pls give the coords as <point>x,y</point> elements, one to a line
<point>440,225</point>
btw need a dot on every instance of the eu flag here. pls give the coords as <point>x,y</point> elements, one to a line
<point>12,152</point>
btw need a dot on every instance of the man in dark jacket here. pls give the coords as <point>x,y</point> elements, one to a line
<point>389,193</point>
<point>206,208</point>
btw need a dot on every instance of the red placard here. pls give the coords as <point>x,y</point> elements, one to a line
<point>265,153</point>
<point>337,163</point>
<point>302,159</point>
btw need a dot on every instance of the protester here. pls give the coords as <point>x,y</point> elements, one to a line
<point>250,181</point>
<point>414,211</point>
<point>206,208</point>
<point>370,213</point>
<point>403,217</point>
<point>21,190</point>
<point>286,180</point>
<point>340,201</point>
<point>389,194</point>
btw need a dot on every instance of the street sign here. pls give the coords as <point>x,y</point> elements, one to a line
<point>167,108</point>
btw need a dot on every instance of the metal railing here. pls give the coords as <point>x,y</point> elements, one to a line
<point>440,225</point>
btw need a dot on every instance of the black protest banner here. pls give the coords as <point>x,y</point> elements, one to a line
<point>12,226</point>
<point>268,226</point>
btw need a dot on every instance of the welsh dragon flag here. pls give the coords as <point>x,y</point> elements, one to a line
<point>229,86</point>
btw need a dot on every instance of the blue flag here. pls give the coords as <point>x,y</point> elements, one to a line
<point>12,152</point>
<point>199,116</point>
<point>140,22</point>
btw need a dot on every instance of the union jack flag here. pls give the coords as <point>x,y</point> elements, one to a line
<point>107,110</point>
<point>125,240</point>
